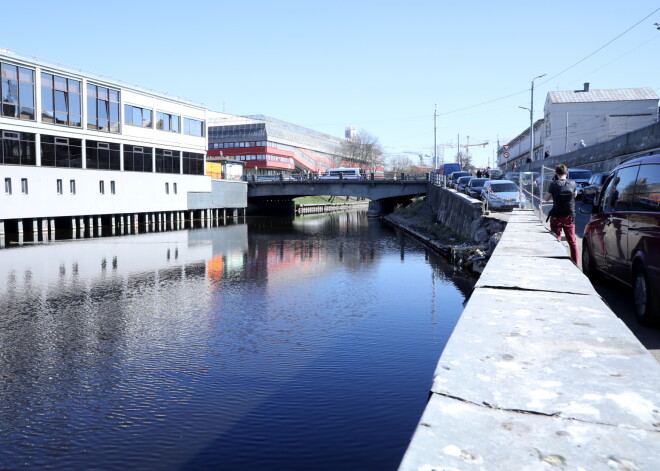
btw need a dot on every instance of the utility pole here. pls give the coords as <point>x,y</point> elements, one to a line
<point>458,148</point>
<point>435,139</point>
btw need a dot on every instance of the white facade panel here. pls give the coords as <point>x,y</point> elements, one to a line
<point>135,192</point>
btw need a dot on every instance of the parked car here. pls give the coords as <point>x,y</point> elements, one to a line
<point>474,186</point>
<point>462,182</point>
<point>581,177</point>
<point>502,195</point>
<point>495,174</point>
<point>512,176</point>
<point>594,187</point>
<point>455,176</point>
<point>622,239</point>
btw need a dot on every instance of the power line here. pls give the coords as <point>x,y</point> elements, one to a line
<point>599,49</point>
<point>556,75</point>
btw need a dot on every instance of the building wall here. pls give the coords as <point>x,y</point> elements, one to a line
<point>594,122</point>
<point>604,156</point>
<point>134,192</point>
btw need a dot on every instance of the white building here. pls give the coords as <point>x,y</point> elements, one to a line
<point>77,145</point>
<point>574,119</point>
<point>593,116</point>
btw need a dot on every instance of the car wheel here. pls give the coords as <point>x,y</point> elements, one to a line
<point>588,267</point>
<point>644,308</point>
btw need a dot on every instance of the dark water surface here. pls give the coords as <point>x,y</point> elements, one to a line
<point>305,344</point>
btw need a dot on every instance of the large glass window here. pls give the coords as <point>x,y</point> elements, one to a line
<point>102,109</point>
<point>61,152</point>
<point>138,159</point>
<point>167,161</point>
<point>193,164</point>
<point>17,91</point>
<point>17,148</point>
<point>167,122</point>
<point>193,127</point>
<point>647,191</point>
<point>136,116</point>
<point>60,100</point>
<point>102,155</point>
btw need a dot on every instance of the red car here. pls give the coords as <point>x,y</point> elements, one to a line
<point>622,239</point>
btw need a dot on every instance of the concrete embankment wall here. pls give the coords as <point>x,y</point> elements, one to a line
<point>455,210</point>
<point>539,373</point>
<point>605,156</point>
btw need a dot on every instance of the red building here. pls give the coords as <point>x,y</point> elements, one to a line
<point>270,147</point>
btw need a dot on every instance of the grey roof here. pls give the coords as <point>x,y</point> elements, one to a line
<point>273,123</point>
<point>616,94</point>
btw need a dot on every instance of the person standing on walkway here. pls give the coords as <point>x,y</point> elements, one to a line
<point>562,215</point>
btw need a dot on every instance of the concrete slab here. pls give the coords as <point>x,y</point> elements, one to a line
<point>539,373</point>
<point>553,354</point>
<point>521,249</point>
<point>534,273</point>
<point>453,435</point>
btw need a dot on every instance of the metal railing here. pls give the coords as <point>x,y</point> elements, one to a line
<point>384,177</point>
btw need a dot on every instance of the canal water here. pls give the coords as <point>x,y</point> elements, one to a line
<point>273,344</point>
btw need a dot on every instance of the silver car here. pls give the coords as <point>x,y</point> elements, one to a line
<point>501,195</point>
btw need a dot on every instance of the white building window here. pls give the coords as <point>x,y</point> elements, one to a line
<point>59,186</point>
<point>101,187</point>
<point>24,186</point>
<point>8,186</point>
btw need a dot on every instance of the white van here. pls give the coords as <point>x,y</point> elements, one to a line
<point>344,173</point>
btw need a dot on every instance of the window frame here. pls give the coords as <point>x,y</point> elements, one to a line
<point>100,98</point>
<point>131,116</point>
<point>165,119</point>
<point>68,93</point>
<point>16,80</point>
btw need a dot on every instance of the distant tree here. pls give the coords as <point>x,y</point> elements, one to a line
<point>464,159</point>
<point>401,163</point>
<point>363,151</point>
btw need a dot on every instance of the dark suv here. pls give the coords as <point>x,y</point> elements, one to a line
<point>623,237</point>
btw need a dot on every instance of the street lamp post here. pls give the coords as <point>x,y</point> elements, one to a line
<point>531,133</point>
<point>531,120</point>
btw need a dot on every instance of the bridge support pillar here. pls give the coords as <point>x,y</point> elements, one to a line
<point>375,209</point>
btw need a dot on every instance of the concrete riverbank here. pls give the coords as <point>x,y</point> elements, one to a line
<point>539,373</point>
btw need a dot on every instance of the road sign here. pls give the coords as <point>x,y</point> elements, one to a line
<point>505,147</point>
<point>507,155</point>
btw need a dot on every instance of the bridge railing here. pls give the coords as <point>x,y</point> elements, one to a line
<point>384,177</point>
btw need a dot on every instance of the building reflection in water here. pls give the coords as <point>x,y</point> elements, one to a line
<point>167,346</point>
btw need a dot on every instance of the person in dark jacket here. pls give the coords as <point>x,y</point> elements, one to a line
<point>562,215</point>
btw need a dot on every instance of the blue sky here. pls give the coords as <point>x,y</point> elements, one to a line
<point>378,65</point>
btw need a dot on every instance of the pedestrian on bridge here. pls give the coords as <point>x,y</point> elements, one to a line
<point>562,215</point>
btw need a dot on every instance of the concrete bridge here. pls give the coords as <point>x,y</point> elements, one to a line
<point>277,196</point>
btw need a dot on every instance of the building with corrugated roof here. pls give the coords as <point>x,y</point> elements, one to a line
<point>574,119</point>
<point>593,116</point>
